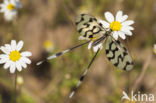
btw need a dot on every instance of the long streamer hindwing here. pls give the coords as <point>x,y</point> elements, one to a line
<point>118,55</point>
<point>89,27</point>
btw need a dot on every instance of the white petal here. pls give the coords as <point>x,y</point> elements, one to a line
<point>10,15</point>
<point>115,35</point>
<point>127,28</point>
<point>4,50</point>
<point>3,60</point>
<point>119,16</point>
<point>128,22</point>
<point>2,7</point>
<point>122,35</point>
<point>99,46</point>
<point>7,64</point>
<point>26,60</point>
<point>18,66</point>
<point>20,45</point>
<point>127,31</point>
<point>26,54</point>
<point>8,47</point>
<point>123,18</point>
<point>109,17</point>
<point>4,56</point>
<point>12,67</point>
<point>6,2</point>
<point>23,64</point>
<point>90,45</point>
<point>104,23</point>
<point>13,2</point>
<point>13,44</point>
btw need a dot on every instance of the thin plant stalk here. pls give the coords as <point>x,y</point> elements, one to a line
<point>15,86</point>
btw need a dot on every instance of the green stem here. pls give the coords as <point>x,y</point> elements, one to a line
<point>15,86</point>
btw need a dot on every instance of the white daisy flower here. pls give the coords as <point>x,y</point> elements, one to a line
<point>119,25</point>
<point>12,58</point>
<point>9,8</point>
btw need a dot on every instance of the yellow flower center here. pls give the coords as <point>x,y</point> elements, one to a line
<point>10,6</point>
<point>48,44</point>
<point>115,26</point>
<point>14,56</point>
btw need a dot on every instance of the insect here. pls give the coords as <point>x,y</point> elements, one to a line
<point>92,30</point>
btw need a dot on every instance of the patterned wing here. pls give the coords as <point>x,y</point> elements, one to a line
<point>89,27</point>
<point>118,55</point>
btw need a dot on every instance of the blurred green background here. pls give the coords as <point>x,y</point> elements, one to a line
<point>53,20</point>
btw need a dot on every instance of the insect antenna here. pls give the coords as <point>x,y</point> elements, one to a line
<point>61,53</point>
<point>83,76</point>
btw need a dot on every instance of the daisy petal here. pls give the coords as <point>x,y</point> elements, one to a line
<point>26,60</point>
<point>13,2</point>
<point>20,45</point>
<point>7,64</point>
<point>12,68</point>
<point>26,54</point>
<point>119,16</point>
<point>4,56</point>
<point>115,35</point>
<point>104,23</point>
<point>127,27</point>
<point>127,31</point>
<point>127,23</point>
<point>4,50</point>
<point>3,60</point>
<point>123,18</point>
<point>2,6</point>
<point>8,47</point>
<point>18,66</point>
<point>122,35</point>
<point>109,16</point>
<point>6,2</point>
<point>23,64</point>
<point>13,44</point>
